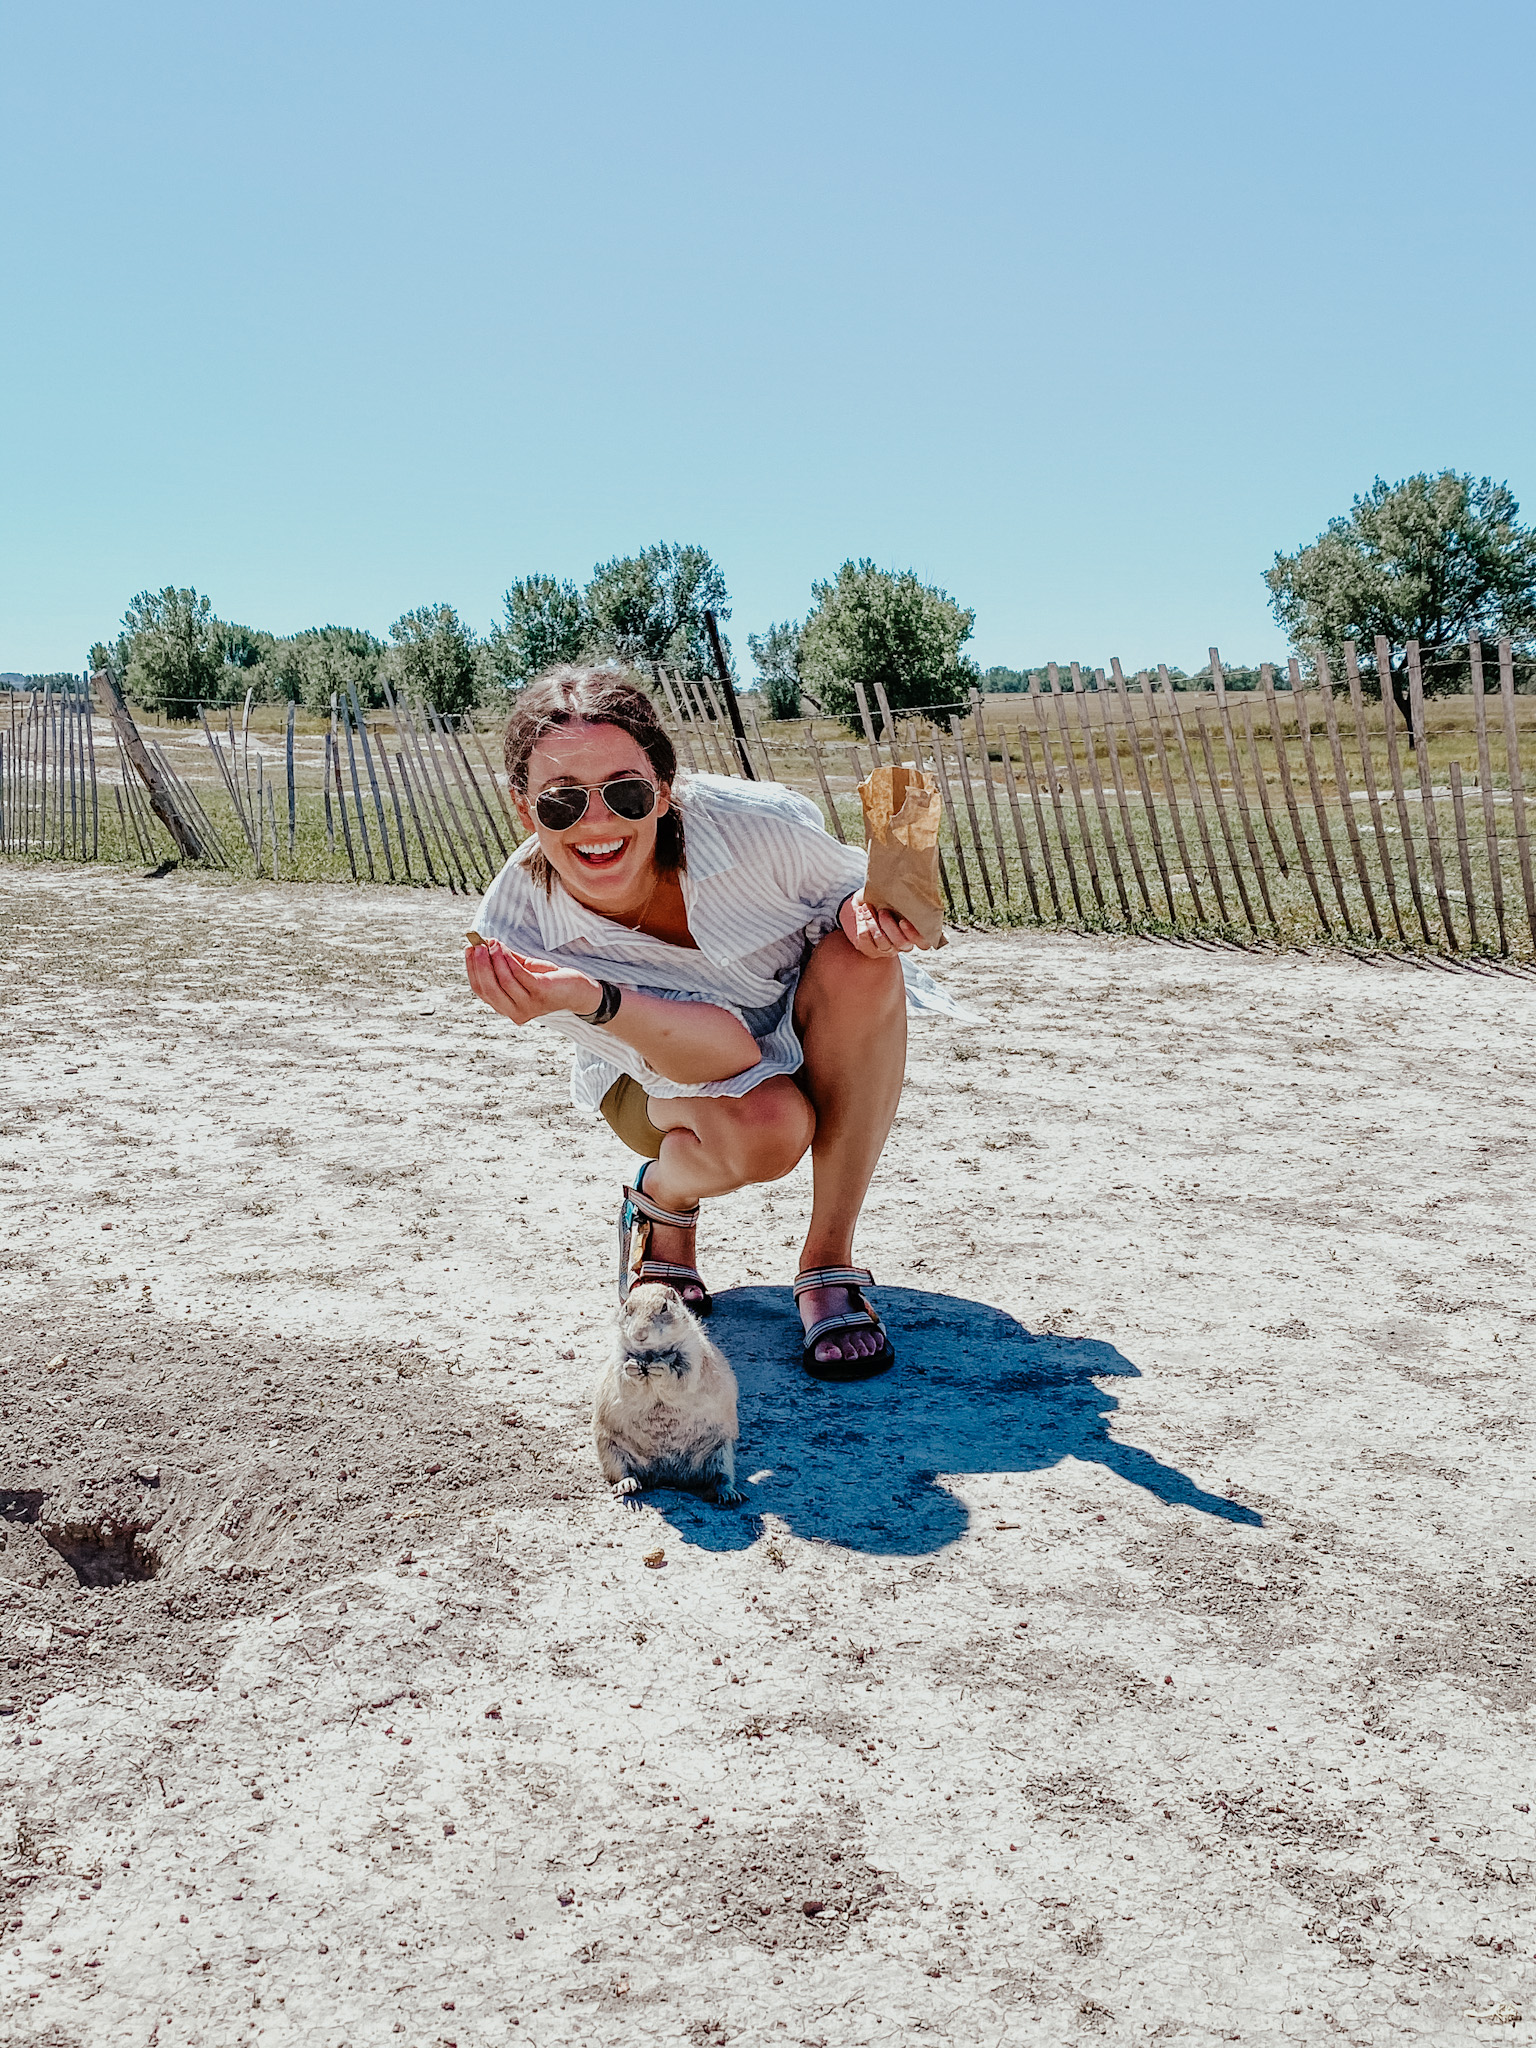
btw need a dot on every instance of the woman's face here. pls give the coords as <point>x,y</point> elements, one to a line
<point>603,860</point>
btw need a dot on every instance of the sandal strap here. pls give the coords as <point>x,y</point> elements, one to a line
<point>641,1203</point>
<point>662,1269</point>
<point>867,1321</point>
<point>833,1276</point>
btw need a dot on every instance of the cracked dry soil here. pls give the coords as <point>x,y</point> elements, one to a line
<point>1148,1658</point>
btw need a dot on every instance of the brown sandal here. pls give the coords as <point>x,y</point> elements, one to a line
<point>635,1268</point>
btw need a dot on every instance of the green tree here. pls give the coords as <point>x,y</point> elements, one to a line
<point>1432,559</point>
<point>436,656</point>
<point>312,666</point>
<point>170,653</point>
<point>776,657</point>
<point>873,625</point>
<point>544,622</point>
<point>650,607</point>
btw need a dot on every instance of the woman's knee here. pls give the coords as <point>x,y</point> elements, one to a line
<point>838,976</point>
<point>767,1131</point>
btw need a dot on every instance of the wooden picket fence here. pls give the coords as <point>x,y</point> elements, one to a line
<point>1272,816</point>
<point>1280,815</point>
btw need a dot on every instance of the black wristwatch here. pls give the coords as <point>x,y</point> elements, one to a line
<point>608,1008</point>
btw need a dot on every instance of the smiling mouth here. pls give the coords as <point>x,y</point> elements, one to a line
<point>603,853</point>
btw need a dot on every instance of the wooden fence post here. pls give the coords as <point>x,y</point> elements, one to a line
<point>1378,823</point>
<point>1027,756</point>
<point>1517,783</point>
<point>1341,783</point>
<point>1143,782</point>
<point>1485,788</point>
<point>1112,748</point>
<point>1309,757</point>
<point>1399,794</point>
<point>1293,809</point>
<point>957,734</point>
<point>1080,698</point>
<point>161,800</point>
<point>1463,854</point>
<point>1035,697</point>
<point>1427,792</point>
<point>1235,768</point>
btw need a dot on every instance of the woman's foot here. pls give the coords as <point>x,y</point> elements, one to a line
<point>677,1247</point>
<point>817,1302</point>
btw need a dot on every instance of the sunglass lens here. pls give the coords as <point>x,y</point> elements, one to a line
<point>630,797</point>
<point>560,809</point>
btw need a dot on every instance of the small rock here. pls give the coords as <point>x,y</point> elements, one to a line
<point>655,1559</point>
<point>56,1364</point>
<point>565,1898</point>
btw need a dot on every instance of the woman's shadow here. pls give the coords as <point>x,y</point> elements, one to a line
<point>973,1391</point>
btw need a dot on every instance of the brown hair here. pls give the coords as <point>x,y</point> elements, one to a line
<point>572,695</point>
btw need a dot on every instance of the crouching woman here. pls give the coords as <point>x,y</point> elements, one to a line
<point>732,1001</point>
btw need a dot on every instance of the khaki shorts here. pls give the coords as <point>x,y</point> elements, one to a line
<point>627,1108</point>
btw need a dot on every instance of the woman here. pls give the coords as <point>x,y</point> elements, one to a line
<point>732,999</point>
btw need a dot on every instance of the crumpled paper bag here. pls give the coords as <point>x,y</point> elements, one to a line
<point>902,815</point>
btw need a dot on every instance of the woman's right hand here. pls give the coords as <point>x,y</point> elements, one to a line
<point>523,989</point>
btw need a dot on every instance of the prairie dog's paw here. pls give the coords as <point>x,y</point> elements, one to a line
<point>728,1495</point>
<point>623,1488</point>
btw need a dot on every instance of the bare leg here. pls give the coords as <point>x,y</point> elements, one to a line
<point>851,1015</point>
<point>713,1144</point>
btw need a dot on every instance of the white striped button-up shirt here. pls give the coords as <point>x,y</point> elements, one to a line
<point>764,881</point>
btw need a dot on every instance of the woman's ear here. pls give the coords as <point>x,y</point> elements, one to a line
<point>524,810</point>
<point>663,798</point>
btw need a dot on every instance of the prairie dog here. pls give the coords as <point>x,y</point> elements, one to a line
<point>664,1413</point>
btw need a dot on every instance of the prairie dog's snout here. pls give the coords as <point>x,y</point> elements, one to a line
<point>658,1333</point>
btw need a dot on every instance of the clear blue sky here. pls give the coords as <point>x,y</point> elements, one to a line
<point>1079,310</point>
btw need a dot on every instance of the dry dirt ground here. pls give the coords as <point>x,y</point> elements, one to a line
<point>1148,1658</point>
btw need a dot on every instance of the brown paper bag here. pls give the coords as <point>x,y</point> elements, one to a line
<point>902,816</point>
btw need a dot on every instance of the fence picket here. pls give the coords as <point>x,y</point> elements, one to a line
<point>1053,789</point>
<point>1090,852</point>
<point>1373,794</point>
<point>1012,789</point>
<point>1171,798</point>
<point>1399,794</point>
<point>1027,756</point>
<point>1517,782</point>
<point>1235,769</point>
<point>1091,747</point>
<point>1201,823</point>
<point>985,751</point>
<point>1128,718</point>
<point>957,734</point>
<point>1346,799</point>
<point>1112,749</point>
<point>1485,789</point>
<point>1288,791</point>
<point>1427,792</point>
<point>1463,853</point>
<point>946,796</point>
<point>1314,784</point>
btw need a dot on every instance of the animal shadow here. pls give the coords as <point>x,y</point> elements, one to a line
<point>861,1465</point>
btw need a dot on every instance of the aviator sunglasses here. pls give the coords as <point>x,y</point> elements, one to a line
<point>629,797</point>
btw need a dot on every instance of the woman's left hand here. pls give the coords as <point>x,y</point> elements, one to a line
<point>877,934</point>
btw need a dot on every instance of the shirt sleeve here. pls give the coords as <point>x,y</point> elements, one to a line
<point>818,871</point>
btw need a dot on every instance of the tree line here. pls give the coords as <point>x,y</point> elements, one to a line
<point>1432,559</point>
